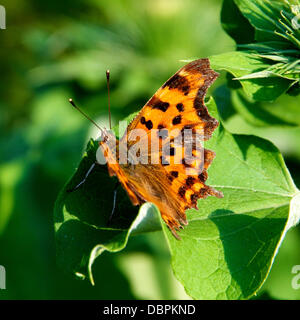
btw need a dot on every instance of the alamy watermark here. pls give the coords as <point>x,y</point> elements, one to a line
<point>296,20</point>
<point>2,17</point>
<point>296,279</point>
<point>155,146</point>
<point>2,278</point>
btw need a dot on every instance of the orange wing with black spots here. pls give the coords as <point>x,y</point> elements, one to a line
<point>180,101</point>
<point>177,180</point>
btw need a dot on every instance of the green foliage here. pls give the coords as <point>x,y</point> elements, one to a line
<point>210,261</point>
<point>81,218</point>
<point>267,64</point>
<point>247,68</point>
<point>54,50</point>
<point>283,112</point>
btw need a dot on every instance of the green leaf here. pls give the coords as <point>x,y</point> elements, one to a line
<point>235,24</point>
<point>228,247</point>
<point>265,114</point>
<point>263,16</point>
<point>268,64</point>
<point>274,47</point>
<point>242,64</point>
<point>81,216</point>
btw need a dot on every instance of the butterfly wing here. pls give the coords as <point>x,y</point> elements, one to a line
<point>178,105</point>
<point>180,101</point>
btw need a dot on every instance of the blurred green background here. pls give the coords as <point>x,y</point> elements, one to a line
<point>53,50</point>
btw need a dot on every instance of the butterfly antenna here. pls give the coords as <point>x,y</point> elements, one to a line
<point>108,96</point>
<point>84,114</point>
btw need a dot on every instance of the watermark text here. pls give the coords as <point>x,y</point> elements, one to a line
<point>2,17</point>
<point>296,279</point>
<point>2,278</point>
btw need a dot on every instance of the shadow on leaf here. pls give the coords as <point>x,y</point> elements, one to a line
<point>81,217</point>
<point>246,241</point>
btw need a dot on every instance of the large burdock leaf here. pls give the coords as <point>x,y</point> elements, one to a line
<point>228,247</point>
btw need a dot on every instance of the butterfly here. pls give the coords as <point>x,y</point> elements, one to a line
<point>173,186</point>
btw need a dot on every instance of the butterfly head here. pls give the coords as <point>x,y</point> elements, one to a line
<point>107,147</point>
<point>105,136</point>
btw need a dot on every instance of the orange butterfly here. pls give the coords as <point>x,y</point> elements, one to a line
<point>173,186</point>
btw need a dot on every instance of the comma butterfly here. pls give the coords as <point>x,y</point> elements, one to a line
<point>157,167</point>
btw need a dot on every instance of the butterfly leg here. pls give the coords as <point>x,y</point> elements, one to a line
<point>84,179</point>
<point>114,203</point>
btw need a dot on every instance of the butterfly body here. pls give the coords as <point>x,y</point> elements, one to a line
<point>151,159</point>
